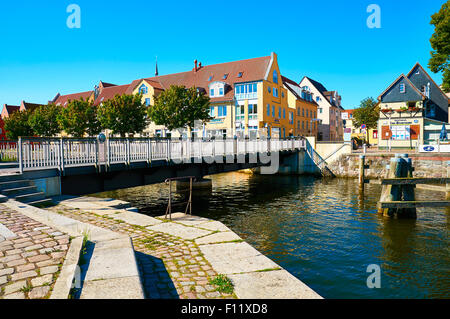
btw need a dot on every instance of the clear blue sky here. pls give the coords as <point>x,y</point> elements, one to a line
<point>118,40</point>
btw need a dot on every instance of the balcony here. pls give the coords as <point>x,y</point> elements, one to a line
<point>246,96</point>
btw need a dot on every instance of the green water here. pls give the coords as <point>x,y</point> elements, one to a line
<point>324,232</point>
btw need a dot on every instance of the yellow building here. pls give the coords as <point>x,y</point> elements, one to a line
<point>247,98</point>
<point>305,109</point>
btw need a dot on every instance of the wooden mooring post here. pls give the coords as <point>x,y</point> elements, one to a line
<point>399,167</point>
<point>447,185</point>
<point>398,190</point>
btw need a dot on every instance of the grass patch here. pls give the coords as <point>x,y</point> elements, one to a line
<point>26,288</point>
<point>223,284</point>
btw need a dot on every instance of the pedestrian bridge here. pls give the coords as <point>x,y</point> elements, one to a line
<point>83,166</point>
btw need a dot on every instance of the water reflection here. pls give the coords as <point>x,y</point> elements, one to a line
<point>325,232</point>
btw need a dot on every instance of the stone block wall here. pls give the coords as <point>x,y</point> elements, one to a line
<point>425,165</point>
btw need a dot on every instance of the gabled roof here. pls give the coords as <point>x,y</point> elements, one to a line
<point>62,100</point>
<point>9,109</point>
<point>295,89</point>
<point>428,76</point>
<point>109,92</point>
<point>105,85</point>
<point>28,106</point>
<point>402,76</point>
<point>251,69</point>
<point>319,86</point>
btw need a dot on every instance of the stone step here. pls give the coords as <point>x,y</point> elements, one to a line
<point>10,177</point>
<point>32,197</point>
<point>19,191</point>
<point>40,202</point>
<point>15,184</point>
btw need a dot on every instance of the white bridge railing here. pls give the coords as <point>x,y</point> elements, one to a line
<point>46,153</point>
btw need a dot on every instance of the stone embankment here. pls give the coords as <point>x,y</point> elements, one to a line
<point>124,254</point>
<point>425,165</point>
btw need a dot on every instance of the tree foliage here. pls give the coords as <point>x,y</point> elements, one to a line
<point>123,114</point>
<point>179,107</point>
<point>79,118</point>
<point>17,125</point>
<point>368,113</point>
<point>44,120</point>
<point>440,42</point>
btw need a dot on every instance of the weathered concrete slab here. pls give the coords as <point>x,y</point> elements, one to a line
<point>108,289</point>
<point>111,263</point>
<point>136,219</point>
<point>103,211</point>
<point>277,284</point>
<point>63,284</point>
<point>226,251</point>
<point>178,230</point>
<point>5,232</point>
<point>217,238</point>
<point>214,226</point>
<point>188,220</point>
<point>233,258</point>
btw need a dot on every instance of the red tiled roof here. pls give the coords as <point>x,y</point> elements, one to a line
<point>64,99</point>
<point>109,92</point>
<point>29,106</point>
<point>252,70</point>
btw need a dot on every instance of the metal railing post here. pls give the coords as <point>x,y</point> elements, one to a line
<point>19,154</point>
<point>127,150</point>
<point>149,150</point>
<point>61,155</point>
<point>168,150</point>
<point>108,153</point>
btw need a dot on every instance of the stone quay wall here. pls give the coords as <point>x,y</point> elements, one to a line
<point>425,165</point>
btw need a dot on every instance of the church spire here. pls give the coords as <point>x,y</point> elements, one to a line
<point>156,68</point>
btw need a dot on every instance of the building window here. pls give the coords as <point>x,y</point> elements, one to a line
<point>211,92</point>
<point>211,111</point>
<point>279,112</point>
<point>246,91</point>
<point>402,88</point>
<point>317,99</point>
<point>273,110</point>
<point>225,76</point>
<point>239,74</point>
<point>221,91</point>
<point>303,112</point>
<point>268,110</point>
<point>291,117</point>
<point>269,89</point>
<point>143,89</point>
<point>275,92</point>
<point>284,113</point>
<point>275,77</point>
<point>222,111</point>
<point>240,113</point>
<point>282,94</point>
<point>252,111</point>
<point>147,101</point>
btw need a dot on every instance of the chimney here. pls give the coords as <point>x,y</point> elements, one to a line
<point>199,65</point>
<point>195,68</point>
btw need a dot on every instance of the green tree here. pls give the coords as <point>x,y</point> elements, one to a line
<point>123,114</point>
<point>17,125</point>
<point>440,42</point>
<point>368,113</point>
<point>179,107</point>
<point>44,120</point>
<point>79,118</point>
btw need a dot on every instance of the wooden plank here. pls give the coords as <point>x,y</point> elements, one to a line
<point>413,204</point>
<point>414,181</point>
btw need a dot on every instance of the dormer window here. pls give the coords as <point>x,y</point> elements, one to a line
<point>210,78</point>
<point>143,89</point>
<point>225,76</point>
<point>217,89</point>
<point>240,74</point>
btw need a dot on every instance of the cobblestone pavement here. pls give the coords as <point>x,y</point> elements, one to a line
<point>170,267</point>
<point>31,261</point>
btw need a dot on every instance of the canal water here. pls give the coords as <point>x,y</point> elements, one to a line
<point>324,232</point>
